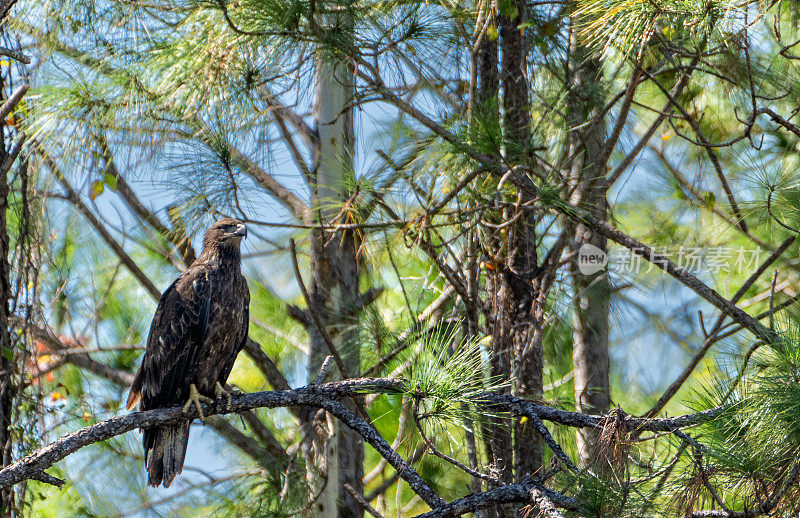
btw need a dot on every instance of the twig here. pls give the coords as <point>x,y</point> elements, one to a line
<point>323,371</point>
<point>684,277</point>
<point>666,112</point>
<point>713,337</point>
<point>48,479</point>
<point>75,199</point>
<point>772,301</point>
<point>13,100</point>
<point>451,460</point>
<point>551,442</point>
<point>698,458</point>
<point>361,501</point>
<point>415,456</point>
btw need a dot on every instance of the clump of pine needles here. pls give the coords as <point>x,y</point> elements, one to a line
<point>753,445</point>
<point>448,375</point>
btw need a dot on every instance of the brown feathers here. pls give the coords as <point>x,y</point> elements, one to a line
<point>135,394</point>
<point>133,399</point>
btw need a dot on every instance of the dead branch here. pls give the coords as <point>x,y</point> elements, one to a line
<point>324,397</point>
<point>511,493</point>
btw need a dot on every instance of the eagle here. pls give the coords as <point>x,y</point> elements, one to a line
<point>199,327</point>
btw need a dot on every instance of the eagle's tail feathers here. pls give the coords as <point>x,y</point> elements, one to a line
<point>135,394</point>
<point>168,453</point>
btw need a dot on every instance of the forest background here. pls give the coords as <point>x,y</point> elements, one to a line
<point>428,188</point>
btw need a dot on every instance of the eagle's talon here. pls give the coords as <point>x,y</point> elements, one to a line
<point>196,398</point>
<point>220,392</point>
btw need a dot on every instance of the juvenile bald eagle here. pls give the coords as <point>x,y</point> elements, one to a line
<point>199,327</point>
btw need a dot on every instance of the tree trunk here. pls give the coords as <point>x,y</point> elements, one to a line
<point>515,315</point>
<point>521,284</point>
<point>7,355</point>
<point>591,305</point>
<point>334,289</point>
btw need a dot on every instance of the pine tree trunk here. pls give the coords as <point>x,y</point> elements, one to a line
<point>523,303</point>
<point>7,364</point>
<point>7,367</point>
<point>515,315</point>
<point>334,289</point>
<point>590,310</point>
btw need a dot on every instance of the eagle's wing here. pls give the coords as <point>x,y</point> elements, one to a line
<point>241,337</point>
<point>176,334</point>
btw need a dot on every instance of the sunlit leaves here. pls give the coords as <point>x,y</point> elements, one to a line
<point>629,25</point>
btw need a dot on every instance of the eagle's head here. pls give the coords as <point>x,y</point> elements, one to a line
<point>225,233</point>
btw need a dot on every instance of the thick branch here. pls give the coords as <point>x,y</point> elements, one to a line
<point>13,100</point>
<point>325,397</point>
<point>511,493</point>
<point>318,397</point>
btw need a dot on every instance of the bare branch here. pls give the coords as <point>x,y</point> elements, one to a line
<point>289,200</point>
<point>274,460</point>
<point>316,397</point>
<point>713,337</point>
<point>13,100</point>
<point>317,321</point>
<point>687,279</point>
<point>511,493</point>
<point>16,55</point>
<point>665,113</point>
<point>181,242</point>
<point>308,134</point>
<point>362,502</point>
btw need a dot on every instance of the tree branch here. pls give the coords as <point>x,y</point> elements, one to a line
<point>511,493</point>
<point>13,100</point>
<point>684,277</point>
<point>181,242</point>
<point>325,397</point>
<point>316,397</point>
<point>267,181</point>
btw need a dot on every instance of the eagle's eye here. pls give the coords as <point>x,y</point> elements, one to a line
<point>233,229</point>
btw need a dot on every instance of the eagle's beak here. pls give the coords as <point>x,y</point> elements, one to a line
<point>241,230</point>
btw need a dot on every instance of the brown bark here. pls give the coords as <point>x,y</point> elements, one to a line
<point>515,310</point>
<point>523,313</point>
<point>592,292</point>
<point>497,438</point>
<point>7,365</point>
<point>326,396</point>
<point>8,357</point>
<point>334,286</point>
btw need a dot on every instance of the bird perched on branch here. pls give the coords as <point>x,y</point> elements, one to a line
<point>199,327</point>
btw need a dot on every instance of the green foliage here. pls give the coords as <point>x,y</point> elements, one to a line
<point>185,85</point>
<point>448,374</point>
<point>629,25</point>
<point>50,502</point>
<point>756,439</point>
